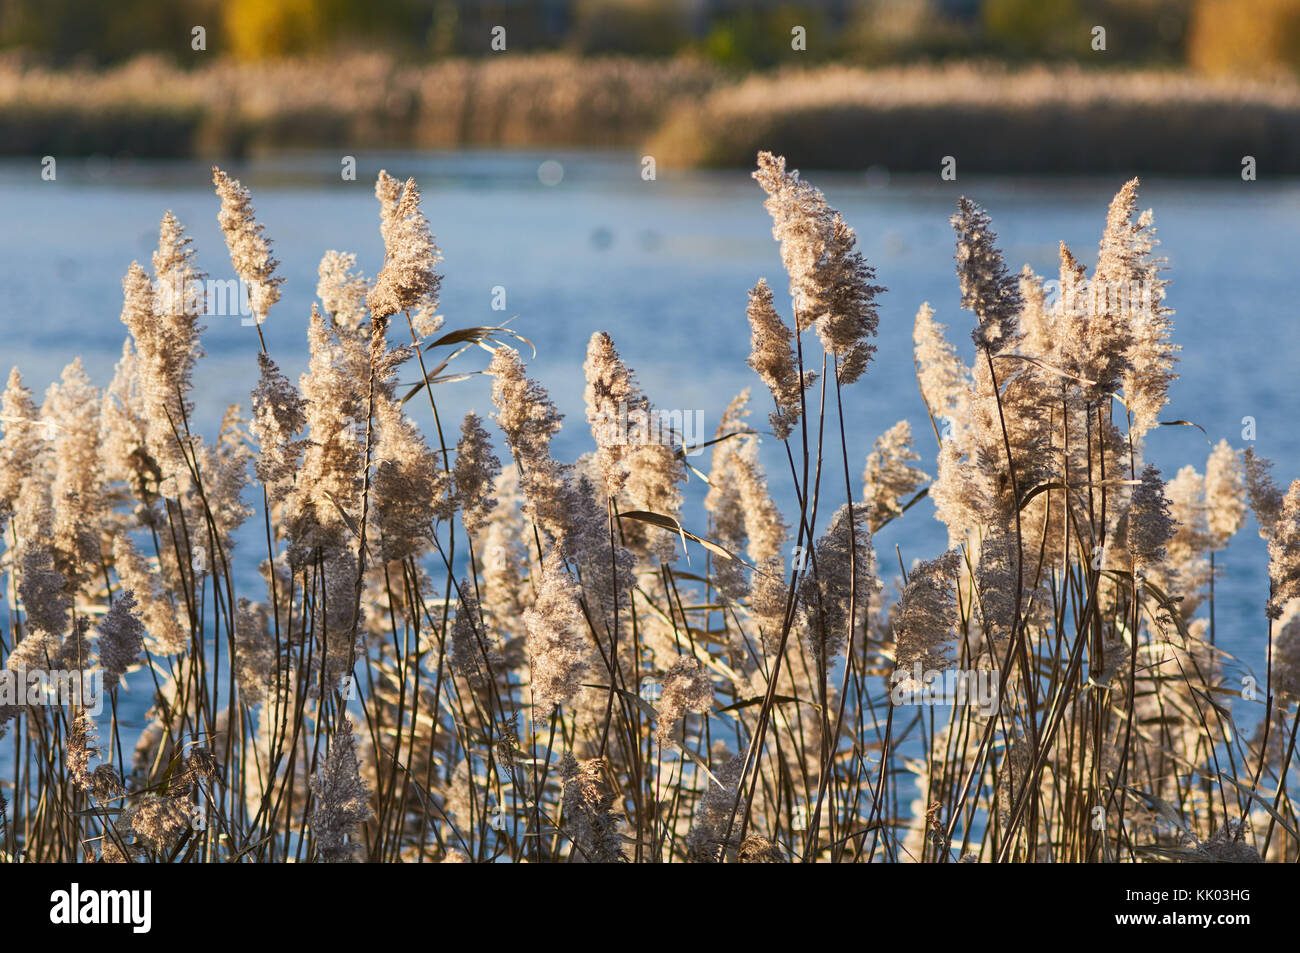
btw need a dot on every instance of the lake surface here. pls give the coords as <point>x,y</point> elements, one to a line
<point>664,267</point>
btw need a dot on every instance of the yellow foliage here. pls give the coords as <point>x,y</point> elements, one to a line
<point>261,29</point>
<point>1232,36</point>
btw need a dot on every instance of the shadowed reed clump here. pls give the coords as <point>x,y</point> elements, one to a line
<point>459,648</point>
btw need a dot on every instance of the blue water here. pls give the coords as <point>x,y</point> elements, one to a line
<point>664,267</point>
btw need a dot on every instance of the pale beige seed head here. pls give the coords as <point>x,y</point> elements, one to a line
<point>1150,524</point>
<point>408,281</point>
<point>889,480</point>
<point>764,524</point>
<point>341,290</point>
<point>686,687</point>
<point>836,595</point>
<point>722,501</point>
<point>71,413</point>
<point>926,617</point>
<point>558,648</point>
<point>773,359</point>
<point>1225,493</point>
<point>278,418</point>
<point>1284,552</point>
<point>162,315</point>
<point>342,798</point>
<point>250,249</point>
<point>475,471</point>
<point>617,411</point>
<point>410,486</point>
<point>830,281</point>
<point>159,821</point>
<point>121,638</point>
<point>987,288</point>
<point>944,380</point>
<point>589,806</point>
<point>22,443</point>
<point>158,603</point>
<point>1265,498</point>
<point>254,653</point>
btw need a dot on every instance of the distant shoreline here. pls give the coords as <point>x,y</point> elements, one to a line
<point>683,112</point>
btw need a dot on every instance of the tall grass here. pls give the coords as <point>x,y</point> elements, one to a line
<point>451,659</point>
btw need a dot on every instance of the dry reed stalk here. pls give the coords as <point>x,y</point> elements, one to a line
<point>491,631</point>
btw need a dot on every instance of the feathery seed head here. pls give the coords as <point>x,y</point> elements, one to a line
<point>772,357</point>
<point>250,249</point>
<point>558,648</point>
<point>121,638</point>
<point>1284,552</point>
<point>589,808</point>
<point>888,476</point>
<point>686,687</point>
<point>926,616</point>
<point>408,281</point>
<point>475,471</point>
<point>830,280</point>
<point>1150,524</point>
<point>1225,493</point>
<point>1265,497</point>
<point>342,798</point>
<point>341,291</point>
<point>987,288</point>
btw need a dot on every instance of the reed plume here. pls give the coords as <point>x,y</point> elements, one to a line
<point>547,660</point>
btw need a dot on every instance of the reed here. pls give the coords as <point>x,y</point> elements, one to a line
<point>450,658</point>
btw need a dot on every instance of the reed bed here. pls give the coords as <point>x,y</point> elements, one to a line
<point>682,111</point>
<point>150,107</point>
<point>992,119</point>
<point>462,649</point>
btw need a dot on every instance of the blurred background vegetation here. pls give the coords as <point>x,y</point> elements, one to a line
<point>1211,36</point>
